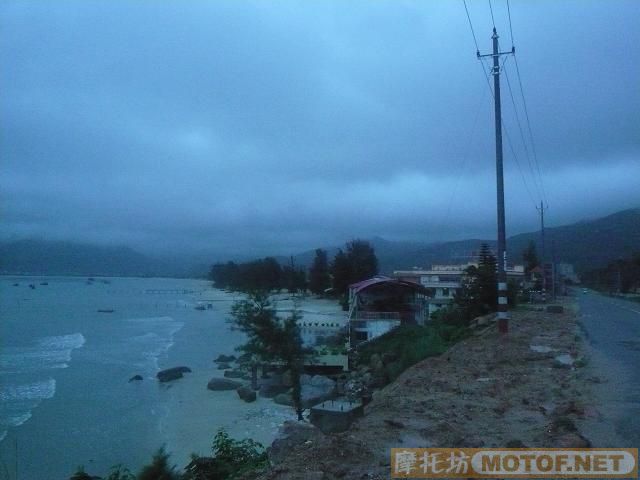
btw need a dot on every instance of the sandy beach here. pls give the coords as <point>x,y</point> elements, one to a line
<point>194,414</point>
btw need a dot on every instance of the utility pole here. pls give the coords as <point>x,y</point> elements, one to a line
<point>503,310</point>
<point>541,209</point>
<point>543,256</point>
<point>553,269</point>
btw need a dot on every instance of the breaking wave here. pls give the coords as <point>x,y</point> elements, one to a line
<point>17,402</point>
<point>20,392</point>
<point>48,353</point>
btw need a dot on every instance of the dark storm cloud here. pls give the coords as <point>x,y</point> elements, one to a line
<point>277,126</point>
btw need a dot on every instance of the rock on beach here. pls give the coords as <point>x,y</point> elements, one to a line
<point>172,373</point>
<point>220,384</point>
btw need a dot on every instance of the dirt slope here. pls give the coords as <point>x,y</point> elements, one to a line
<point>487,391</point>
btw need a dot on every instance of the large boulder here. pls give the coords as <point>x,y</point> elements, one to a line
<point>247,394</point>
<point>136,378</point>
<point>290,435</point>
<point>225,358</point>
<point>219,384</point>
<point>270,390</point>
<point>172,373</point>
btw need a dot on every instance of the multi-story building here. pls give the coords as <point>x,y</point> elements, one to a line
<point>443,281</point>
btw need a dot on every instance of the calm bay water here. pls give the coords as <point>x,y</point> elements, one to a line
<point>65,399</point>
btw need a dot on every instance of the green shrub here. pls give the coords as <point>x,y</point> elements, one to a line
<point>80,474</point>
<point>231,458</point>
<point>409,344</point>
<point>159,468</point>
<point>119,472</point>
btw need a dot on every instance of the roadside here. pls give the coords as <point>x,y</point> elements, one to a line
<point>612,327</point>
<point>526,389</point>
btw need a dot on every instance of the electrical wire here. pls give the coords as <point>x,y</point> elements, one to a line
<point>486,76</point>
<point>466,155</point>
<point>510,28</point>
<point>533,145</point>
<point>524,143</point>
<point>493,21</point>
<point>526,111</point>
<point>471,26</point>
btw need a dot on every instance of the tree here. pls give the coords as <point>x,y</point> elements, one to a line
<point>488,279</point>
<point>479,290</point>
<point>363,260</point>
<point>159,468</point>
<point>231,459</point>
<point>319,279</point>
<point>272,338</point>
<point>530,257</point>
<point>340,273</point>
<point>358,263</point>
<point>80,474</point>
<point>294,279</point>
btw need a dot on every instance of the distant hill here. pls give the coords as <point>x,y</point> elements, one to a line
<point>42,257</point>
<point>587,244</point>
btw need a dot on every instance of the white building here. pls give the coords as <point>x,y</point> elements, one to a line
<point>443,281</point>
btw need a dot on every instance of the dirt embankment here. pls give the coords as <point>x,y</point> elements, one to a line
<point>487,391</point>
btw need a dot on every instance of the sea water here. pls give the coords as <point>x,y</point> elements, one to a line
<point>65,395</point>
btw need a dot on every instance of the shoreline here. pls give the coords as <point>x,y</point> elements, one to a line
<point>194,414</point>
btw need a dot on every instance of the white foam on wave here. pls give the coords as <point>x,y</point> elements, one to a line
<point>17,398</point>
<point>39,390</point>
<point>155,337</point>
<point>17,402</point>
<point>63,342</point>
<point>49,353</point>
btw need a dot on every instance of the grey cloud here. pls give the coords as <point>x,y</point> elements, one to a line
<point>291,124</point>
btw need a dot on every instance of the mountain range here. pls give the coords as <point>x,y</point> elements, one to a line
<point>587,244</point>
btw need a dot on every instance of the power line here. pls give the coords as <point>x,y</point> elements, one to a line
<point>533,145</point>
<point>524,143</point>
<point>504,127</point>
<point>471,26</point>
<point>465,155</point>
<point>510,28</point>
<point>526,110</point>
<point>493,21</point>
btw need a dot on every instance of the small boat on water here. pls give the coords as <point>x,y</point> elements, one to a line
<point>106,310</point>
<point>32,286</point>
<point>44,283</point>
<point>16,284</point>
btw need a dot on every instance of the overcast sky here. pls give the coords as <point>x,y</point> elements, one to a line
<point>272,127</point>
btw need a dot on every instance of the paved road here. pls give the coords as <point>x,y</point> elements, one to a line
<point>613,328</point>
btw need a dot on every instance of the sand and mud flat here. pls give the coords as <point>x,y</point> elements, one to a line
<point>533,387</point>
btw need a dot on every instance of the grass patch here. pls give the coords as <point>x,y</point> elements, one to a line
<point>409,344</point>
